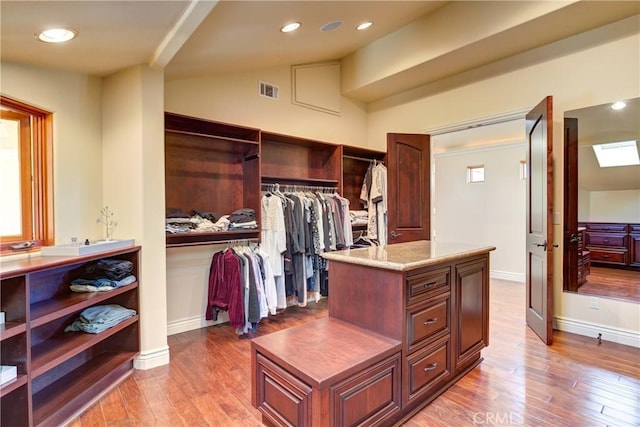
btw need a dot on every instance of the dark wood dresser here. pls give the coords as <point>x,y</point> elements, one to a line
<point>613,244</point>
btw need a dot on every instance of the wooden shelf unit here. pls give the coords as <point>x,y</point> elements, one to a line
<point>293,160</point>
<point>212,167</point>
<point>219,167</point>
<point>60,373</point>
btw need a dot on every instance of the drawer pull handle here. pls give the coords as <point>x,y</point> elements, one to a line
<point>605,256</point>
<point>432,367</point>
<point>430,285</point>
<point>431,321</point>
<point>606,240</point>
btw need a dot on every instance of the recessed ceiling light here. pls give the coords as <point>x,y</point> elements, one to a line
<point>290,27</point>
<point>364,25</point>
<point>618,105</point>
<point>57,35</point>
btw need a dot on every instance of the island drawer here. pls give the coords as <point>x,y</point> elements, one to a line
<point>428,368</point>
<point>424,284</point>
<point>427,321</point>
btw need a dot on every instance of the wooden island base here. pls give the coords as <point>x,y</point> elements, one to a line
<point>406,321</point>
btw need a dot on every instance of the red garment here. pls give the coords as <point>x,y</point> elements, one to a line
<point>225,288</point>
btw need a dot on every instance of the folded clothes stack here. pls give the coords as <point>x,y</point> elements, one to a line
<point>177,221</point>
<point>242,219</point>
<point>99,318</point>
<point>104,275</point>
<point>359,217</point>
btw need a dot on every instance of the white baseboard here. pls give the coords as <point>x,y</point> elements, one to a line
<point>196,322</point>
<point>507,275</point>
<point>620,336</point>
<point>152,359</point>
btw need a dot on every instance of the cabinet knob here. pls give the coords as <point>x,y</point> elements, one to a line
<point>431,321</point>
<point>431,367</point>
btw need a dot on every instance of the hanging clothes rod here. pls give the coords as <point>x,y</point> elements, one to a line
<point>364,159</point>
<point>237,242</point>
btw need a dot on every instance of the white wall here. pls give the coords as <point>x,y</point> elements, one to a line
<point>490,213</point>
<point>133,169</point>
<point>75,101</point>
<point>577,72</point>
<point>234,99</point>
<point>613,206</point>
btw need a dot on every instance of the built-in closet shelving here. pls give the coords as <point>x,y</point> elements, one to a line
<point>212,167</point>
<point>219,167</point>
<point>291,160</point>
<point>60,373</point>
<point>355,162</point>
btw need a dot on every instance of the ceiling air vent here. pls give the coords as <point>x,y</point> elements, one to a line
<point>268,90</point>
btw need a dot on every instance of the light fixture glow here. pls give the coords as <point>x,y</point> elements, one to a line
<point>624,153</point>
<point>364,25</point>
<point>290,27</point>
<point>618,105</point>
<point>57,35</point>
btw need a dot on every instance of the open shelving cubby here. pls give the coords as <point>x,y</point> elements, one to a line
<point>60,373</point>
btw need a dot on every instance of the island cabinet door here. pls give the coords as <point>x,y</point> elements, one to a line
<point>470,311</point>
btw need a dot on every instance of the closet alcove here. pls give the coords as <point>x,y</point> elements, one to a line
<point>219,167</point>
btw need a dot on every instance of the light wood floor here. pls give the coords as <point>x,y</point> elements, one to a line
<point>612,283</point>
<point>576,382</point>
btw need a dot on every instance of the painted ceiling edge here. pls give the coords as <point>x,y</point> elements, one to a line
<point>193,15</point>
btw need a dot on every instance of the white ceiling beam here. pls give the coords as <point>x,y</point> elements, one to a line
<point>191,18</point>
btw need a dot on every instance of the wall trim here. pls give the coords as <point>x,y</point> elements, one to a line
<point>507,275</point>
<point>617,335</point>
<point>481,121</point>
<point>152,359</point>
<point>466,150</point>
<point>196,322</point>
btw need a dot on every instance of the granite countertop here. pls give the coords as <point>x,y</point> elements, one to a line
<point>407,256</point>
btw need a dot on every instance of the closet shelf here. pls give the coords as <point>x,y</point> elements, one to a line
<point>11,329</point>
<point>7,388</point>
<point>55,308</point>
<point>220,237</point>
<point>299,181</point>
<point>48,354</point>
<point>67,395</point>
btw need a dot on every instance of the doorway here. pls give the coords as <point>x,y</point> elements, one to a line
<point>491,211</point>
<point>601,204</point>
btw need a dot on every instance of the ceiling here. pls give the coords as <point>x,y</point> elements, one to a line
<point>199,38</point>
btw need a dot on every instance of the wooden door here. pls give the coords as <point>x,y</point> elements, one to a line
<point>408,188</point>
<point>539,274</point>
<point>571,237</point>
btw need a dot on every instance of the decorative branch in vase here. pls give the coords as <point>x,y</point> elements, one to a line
<point>106,217</point>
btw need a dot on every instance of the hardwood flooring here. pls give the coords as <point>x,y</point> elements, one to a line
<point>576,382</point>
<point>612,283</point>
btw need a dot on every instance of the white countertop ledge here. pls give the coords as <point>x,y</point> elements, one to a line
<point>409,255</point>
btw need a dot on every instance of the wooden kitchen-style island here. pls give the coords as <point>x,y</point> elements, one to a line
<point>406,321</point>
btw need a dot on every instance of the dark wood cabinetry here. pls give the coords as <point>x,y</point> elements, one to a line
<point>612,244</point>
<point>416,330</point>
<point>212,167</point>
<point>60,373</point>
<point>219,167</point>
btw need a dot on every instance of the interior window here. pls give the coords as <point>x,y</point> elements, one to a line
<point>25,177</point>
<point>475,173</point>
